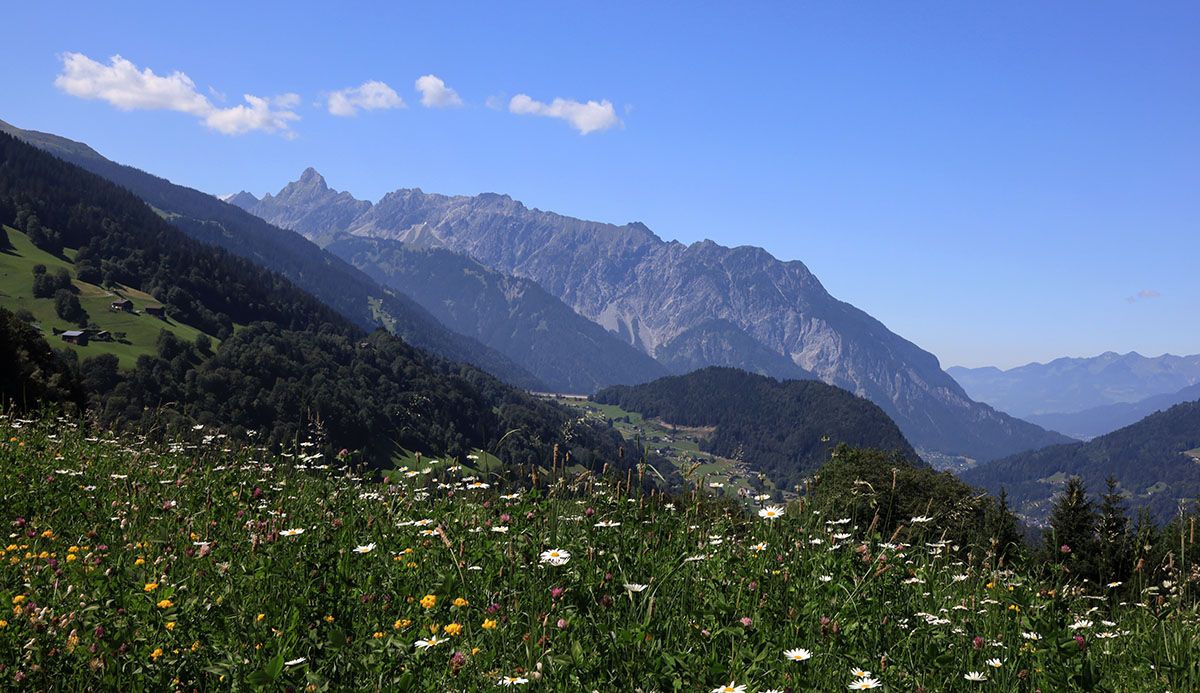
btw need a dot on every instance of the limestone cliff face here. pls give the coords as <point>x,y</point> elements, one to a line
<point>651,292</point>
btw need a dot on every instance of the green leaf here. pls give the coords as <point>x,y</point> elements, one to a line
<point>275,666</point>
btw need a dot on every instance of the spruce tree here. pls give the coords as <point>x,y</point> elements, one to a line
<point>1071,540</point>
<point>1112,529</point>
<point>1003,533</point>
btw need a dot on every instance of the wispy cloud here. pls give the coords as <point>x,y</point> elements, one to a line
<point>587,117</point>
<point>435,93</point>
<point>368,96</point>
<point>1141,295</point>
<point>123,85</point>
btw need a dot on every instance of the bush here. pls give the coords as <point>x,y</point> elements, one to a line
<point>67,307</point>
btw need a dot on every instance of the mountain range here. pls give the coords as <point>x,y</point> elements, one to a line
<point>1097,421</point>
<point>1069,385</point>
<point>688,306</point>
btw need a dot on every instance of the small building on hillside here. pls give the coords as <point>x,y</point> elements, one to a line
<point>78,337</point>
<point>123,304</point>
<point>156,311</point>
<point>102,336</point>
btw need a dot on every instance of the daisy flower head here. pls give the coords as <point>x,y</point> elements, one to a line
<point>994,662</point>
<point>974,676</point>
<point>291,532</point>
<point>365,548</point>
<point>426,644</point>
<point>731,688</point>
<point>860,673</point>
<point>771,512</point>
<point>797,655</point>
<point>864,683</point>
<point>608,523</point>
<point>634,587</point>
<point>513,681</point>
<point>555,557</point>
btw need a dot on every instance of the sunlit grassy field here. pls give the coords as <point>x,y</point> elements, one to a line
<point>198,565</point>
<point>141,330</point>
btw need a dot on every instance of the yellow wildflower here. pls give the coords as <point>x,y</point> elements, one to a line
<point>429,601</point>
<point>151,586</point>
<point>18,599</point>
<point>329,619</point>
<point>489,623</point>
<point>156,653</point>
<point>453,628</point>
<point>170,625</point>
<point>72,557</point>
<point>378,634</point>
<point>166,604</point>
<point>460,602</point>
<point>259,617</point>
<point>402,623</point>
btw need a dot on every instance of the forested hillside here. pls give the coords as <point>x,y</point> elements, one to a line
<point>296,368</point>
<point>327,277</point>
<point>1149,460</point>
<point>783,428</point>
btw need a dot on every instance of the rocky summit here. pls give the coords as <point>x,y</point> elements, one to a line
<point>651,292</point>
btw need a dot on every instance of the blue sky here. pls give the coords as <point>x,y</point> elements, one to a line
<point>997,182</point>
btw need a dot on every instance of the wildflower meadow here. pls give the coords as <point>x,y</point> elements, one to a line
<point>200,565</point>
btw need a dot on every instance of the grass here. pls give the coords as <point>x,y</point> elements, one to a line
<point>197,564</point>
<point>16,292</point>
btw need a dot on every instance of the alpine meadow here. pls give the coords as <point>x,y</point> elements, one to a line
<point>614,348</point>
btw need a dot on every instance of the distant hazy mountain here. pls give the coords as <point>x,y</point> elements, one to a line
<point>334,281</point>
<point>515,316</point>
<point>1097,421</point>
<point>650,292</point>
<point>1149,459</point>
<point>1069,385</point>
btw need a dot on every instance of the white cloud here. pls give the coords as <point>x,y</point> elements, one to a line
<point>260,115</point>
<point>1143,294</point>
<point>585,117</point>
<point>435,93</point>
<point>123,85</point>
<point>368,96</point>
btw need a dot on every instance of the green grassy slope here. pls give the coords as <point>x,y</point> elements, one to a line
<point>141,331</point>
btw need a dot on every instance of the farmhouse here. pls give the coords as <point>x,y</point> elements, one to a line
<point>156,311</point>
<point>102,336</point>
<point>75,337</point>
<point>123,304</point>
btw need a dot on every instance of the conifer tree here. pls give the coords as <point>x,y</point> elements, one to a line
<point>1071,540</point>
<point>1003,533</point>
<point>1112,535</point>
